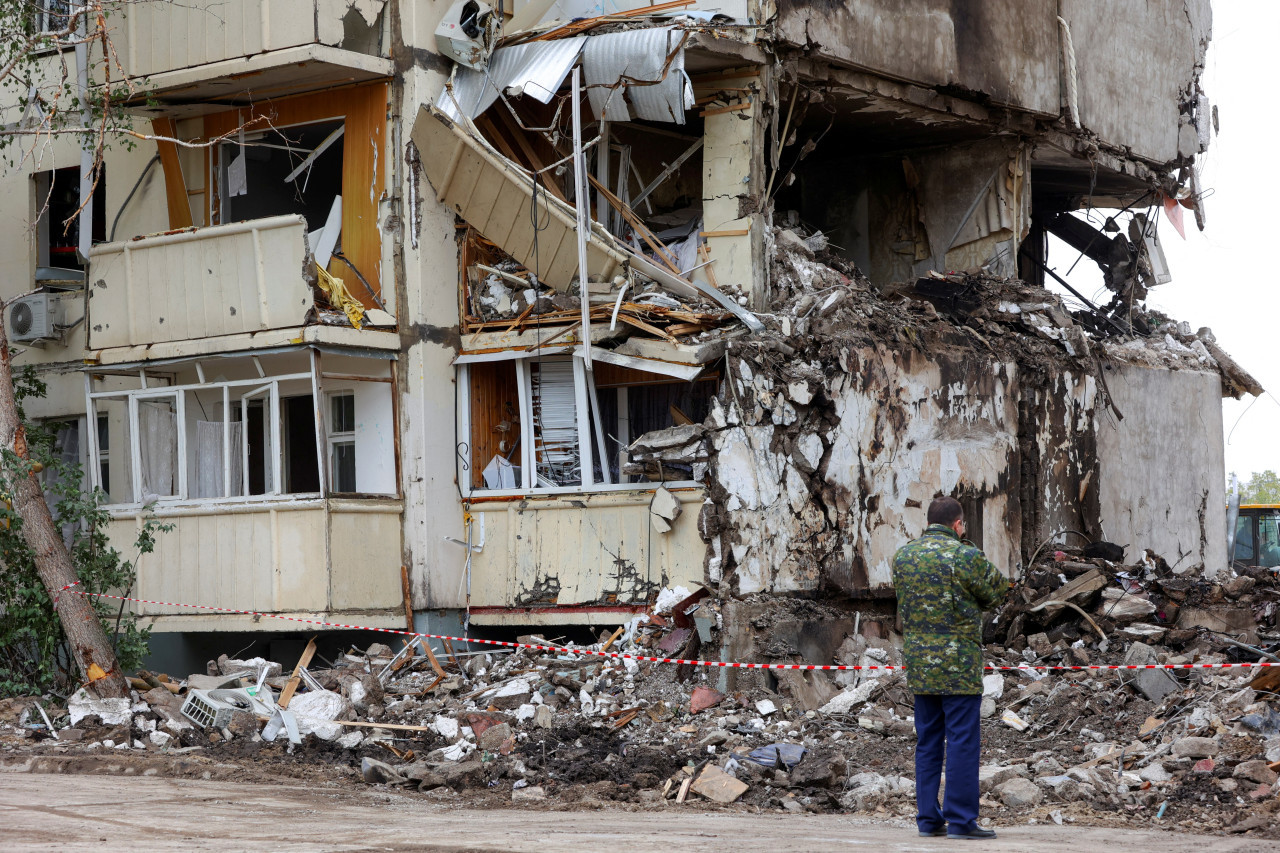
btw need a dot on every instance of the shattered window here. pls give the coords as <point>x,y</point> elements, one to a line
<point>278,171</point>
<point>555,417</point>
<point>57,203</point>
<point>628,404</point>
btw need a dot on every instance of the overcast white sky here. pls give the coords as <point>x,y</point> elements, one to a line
<point>1225,277</point>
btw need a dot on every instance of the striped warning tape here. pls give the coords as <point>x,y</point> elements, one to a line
<point>623,655</point>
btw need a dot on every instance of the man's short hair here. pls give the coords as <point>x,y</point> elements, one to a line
<point>945,511</point>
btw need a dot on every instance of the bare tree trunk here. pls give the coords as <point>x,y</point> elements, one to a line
<point>85,635</point>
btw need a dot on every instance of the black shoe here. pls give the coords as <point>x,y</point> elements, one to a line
<point>934,833</point>
<point>974,833</point>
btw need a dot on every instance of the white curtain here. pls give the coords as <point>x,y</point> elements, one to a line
<point>158,437</point>
<point>209,467</point>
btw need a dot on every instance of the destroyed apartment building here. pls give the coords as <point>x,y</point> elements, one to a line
<point>475,319</point>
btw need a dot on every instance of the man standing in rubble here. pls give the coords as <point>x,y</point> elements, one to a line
<point>943,584</point>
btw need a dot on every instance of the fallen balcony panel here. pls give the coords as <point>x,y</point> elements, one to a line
<point>495,197</point>
<point>581,549</point>
<point>200,283</point>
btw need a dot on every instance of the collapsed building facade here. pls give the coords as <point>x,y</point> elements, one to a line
<point>339,332</point>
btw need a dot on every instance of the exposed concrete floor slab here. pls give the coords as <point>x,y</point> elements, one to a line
<point>105,814</point>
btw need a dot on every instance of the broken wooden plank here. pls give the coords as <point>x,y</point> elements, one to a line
<point>626,719</point>
<point>574,28</point>
<point>667,172</point>
<point>684,790</point>
<point>712,111</point>
<point>645,327</point>
<point>718,786</point>
<point>286,695</point>
<point>400,727</point>
<point>639,227</point>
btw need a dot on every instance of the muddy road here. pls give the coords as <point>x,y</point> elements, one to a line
<point>65,812</point>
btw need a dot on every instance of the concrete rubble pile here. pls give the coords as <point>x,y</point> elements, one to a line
<point>1194,747</point>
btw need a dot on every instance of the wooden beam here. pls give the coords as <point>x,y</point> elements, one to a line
<point>640,228</point>
<point>286,695</point>
<point>175,187</point>
<point>715,111</point>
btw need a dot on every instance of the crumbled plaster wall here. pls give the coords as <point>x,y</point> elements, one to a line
<point>835,428</point>
<point>822,470</point>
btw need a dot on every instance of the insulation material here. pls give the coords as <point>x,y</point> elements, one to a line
<point>333,287</point>
<point>638,74</point>
<point>535,69</point>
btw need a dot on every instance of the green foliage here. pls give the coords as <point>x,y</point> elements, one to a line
<point>34,655</point>
<point>1262,487</point>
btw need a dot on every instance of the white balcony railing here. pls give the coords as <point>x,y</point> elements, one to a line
<point>200,283</point>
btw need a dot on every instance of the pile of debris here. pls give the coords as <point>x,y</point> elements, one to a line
<point>500,294</point>
<point>1197,747</point>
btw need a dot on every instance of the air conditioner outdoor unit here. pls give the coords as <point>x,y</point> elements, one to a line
<point>468,33</point>
<point>35,318</point>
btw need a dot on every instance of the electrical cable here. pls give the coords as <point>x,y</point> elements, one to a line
<point>145,169</point>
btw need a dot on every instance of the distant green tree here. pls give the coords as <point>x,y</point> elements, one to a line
<point>1262,487</point>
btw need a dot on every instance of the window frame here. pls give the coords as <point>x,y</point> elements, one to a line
<point>341,437</point>
<point>252,387</point>
<point>590,435</point>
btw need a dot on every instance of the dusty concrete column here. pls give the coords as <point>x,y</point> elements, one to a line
<point>733,186</point>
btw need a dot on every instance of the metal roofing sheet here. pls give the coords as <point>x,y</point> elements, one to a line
<point>638,74</point>
<point>536,68</point>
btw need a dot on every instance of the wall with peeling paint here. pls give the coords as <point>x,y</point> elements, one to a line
<point>1161,474</point>
<point>594,549</point>
<point>428,293</point>
<point>823,479</point>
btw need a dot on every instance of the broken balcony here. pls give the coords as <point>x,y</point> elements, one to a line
<point>195,56</point>
<point>277,471</point>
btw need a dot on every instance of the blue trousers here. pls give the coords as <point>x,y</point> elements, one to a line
<point>947,725</point>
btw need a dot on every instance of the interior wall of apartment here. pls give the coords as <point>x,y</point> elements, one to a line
<point>732,186</point>
<point>1161,470</point>
<point>898,215</point>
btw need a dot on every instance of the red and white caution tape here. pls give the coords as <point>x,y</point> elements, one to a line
<point>622,655</point>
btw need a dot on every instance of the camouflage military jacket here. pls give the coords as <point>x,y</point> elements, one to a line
<point>943,585</point>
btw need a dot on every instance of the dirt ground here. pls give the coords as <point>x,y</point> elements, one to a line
<point>61,812</point>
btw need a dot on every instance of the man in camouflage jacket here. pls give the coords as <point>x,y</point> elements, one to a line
<point>943,585</point>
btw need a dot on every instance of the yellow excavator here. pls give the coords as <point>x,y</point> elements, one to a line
<point>1254,539</point>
